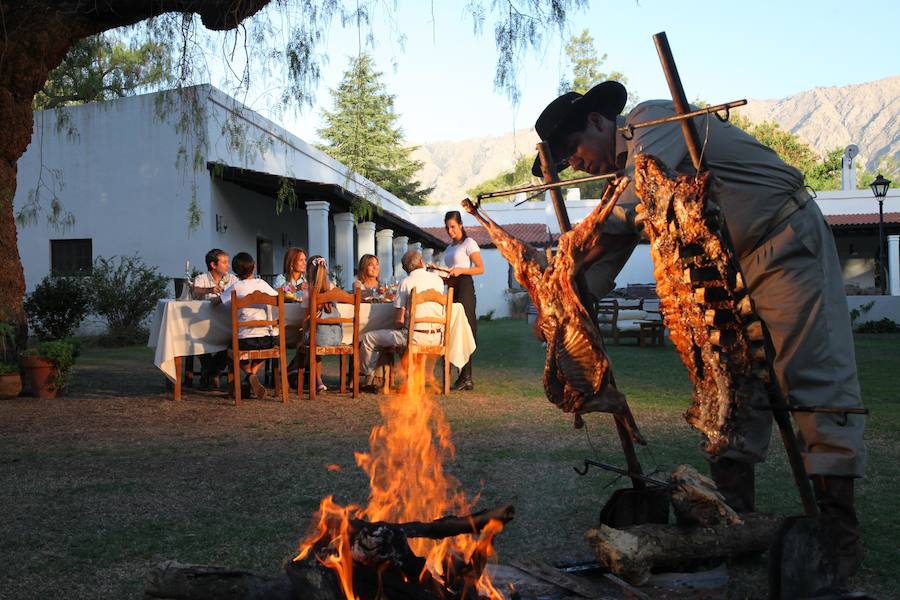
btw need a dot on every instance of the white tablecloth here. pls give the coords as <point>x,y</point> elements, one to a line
<point>191,328</point>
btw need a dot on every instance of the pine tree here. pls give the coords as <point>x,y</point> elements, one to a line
<point>586,65</point>
<point>362,132</point>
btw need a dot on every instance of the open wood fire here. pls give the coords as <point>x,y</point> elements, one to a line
<point>400,544</point>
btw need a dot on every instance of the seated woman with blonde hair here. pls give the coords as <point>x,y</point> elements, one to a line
<point>367,275</point>
<point>326,335</point>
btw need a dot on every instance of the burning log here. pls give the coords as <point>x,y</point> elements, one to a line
<point>382,562</point>
<point>703,301</point>
<point>634,552</point>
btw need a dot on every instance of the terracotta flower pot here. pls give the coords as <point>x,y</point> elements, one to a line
<point>39,374</point>
<point>10,385</point>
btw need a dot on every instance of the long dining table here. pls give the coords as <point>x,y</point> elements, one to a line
<point>190,328</point>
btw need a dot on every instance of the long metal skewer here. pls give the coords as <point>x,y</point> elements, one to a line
<point>627,131</point>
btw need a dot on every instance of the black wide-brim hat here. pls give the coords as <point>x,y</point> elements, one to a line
<point>566,114</point>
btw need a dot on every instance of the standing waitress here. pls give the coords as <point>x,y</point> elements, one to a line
<point>463,258</point>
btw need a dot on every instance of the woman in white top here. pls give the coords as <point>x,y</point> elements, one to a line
<point>463,258</point>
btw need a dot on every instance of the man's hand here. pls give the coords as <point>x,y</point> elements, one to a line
<point>456,272</point>
<point>218,289</point>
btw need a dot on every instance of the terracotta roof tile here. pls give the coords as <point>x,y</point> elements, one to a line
<point>861,219</point>
<point>535,234</point>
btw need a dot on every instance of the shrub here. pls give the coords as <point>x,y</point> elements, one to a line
<point>57,306</point>
<point>8,368</point>
<point>125,291</point>
<point>885,325</point>
<point>62,353</point>
<point>7,341</point>
<point>7,349</point>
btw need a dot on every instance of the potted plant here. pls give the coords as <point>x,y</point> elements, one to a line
<point>10,379</point>
<point>48,366</point>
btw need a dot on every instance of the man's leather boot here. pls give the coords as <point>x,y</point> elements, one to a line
<point>834,495</point>
<point>736,482</point>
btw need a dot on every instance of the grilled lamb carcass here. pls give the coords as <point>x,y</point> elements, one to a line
<point>703,301</point>
<point>577,374</point>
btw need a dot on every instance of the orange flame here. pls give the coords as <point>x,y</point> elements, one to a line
<point>407,481</point>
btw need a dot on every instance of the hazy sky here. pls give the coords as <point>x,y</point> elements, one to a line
<point>443,76</point>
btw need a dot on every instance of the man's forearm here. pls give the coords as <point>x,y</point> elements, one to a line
<point>200,292</point>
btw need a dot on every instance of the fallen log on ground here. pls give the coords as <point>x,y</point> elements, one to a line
<point>179,581</point>
<point>633,552</point>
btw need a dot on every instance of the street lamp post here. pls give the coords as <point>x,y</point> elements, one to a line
<point>879,188</point>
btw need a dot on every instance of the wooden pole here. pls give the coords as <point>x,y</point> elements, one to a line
<point>791,444</point>
<point>679,98</point>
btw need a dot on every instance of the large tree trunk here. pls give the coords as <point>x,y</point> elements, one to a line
<point>36,37</point>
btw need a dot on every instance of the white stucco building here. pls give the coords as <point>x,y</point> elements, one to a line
<point>134,167</point>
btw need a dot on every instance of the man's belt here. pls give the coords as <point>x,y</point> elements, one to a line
<point>429,330</point>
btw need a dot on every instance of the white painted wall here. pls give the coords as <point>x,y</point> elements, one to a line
<point>120,180</point>
<point>250,215</point>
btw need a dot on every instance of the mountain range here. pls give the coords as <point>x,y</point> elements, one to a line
<point>866,114</point>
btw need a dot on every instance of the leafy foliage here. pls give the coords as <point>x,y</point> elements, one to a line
<point>586,65</point>
<point>57,306</point>
<point>7,342</point>
<point>102,67</point>
<point>884,325</point>
<point>521,175</point>
<point>888,166</point>
<point>125,291</point>
<point>586,73</point>
<point>62,353</point>
<point>362,132</point>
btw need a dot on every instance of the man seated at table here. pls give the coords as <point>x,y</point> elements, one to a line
<point>209,285</point>
<point>250,338</point>
<point>426,333</point>
<point>206,287</point>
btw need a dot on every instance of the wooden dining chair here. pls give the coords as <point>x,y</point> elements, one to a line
<point>412,349</point>
<point>278,352</point>
<point>317,301</point>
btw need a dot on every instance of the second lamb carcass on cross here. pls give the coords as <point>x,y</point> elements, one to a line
<point>577,374</point>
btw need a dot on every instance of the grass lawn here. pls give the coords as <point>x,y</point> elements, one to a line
<point>98,486</point>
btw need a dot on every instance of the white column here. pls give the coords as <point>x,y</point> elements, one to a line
<point>365,239</point>
<point>894,263</point>
<point>427,255</point>
<point>417,246</point>
<point>401,244</point>
<point>343,246</point>
<point>317,223</point>
<point>384,243</point>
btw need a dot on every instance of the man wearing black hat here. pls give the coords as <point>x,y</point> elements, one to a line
<point>787,256</point>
